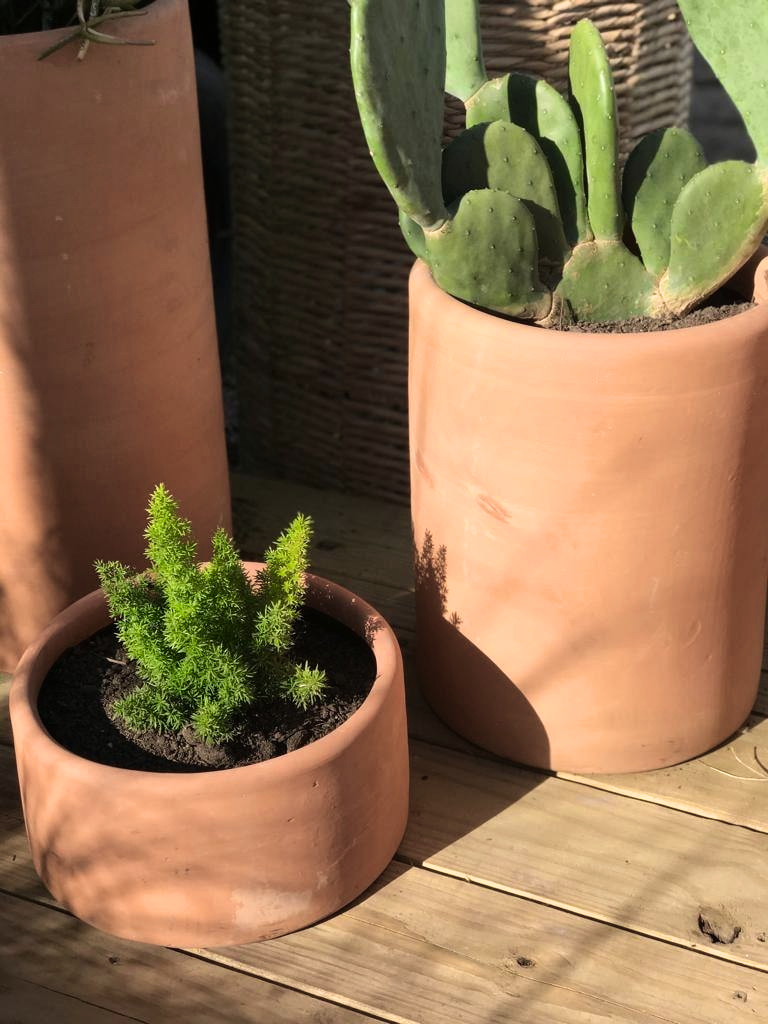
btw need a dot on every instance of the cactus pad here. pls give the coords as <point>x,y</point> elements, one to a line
<point>717,223</point>
<point>594,103</point>
<point>398,69</point>
<point>534,105</point>
<point>732,36</point>
<point>605,281</point>
<point>465,70</point>
<point>413,234</point>
<point>487,254</point>
<point>504,156</point>
<point>654,175</point>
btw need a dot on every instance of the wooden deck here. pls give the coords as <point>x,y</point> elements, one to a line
<point>516,897</point>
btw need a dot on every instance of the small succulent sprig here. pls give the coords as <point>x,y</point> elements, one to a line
<point>90,17</point>
<point>526,211</point>
<point>207,641</point>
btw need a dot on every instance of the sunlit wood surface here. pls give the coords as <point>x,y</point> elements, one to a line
<point>516,897</point>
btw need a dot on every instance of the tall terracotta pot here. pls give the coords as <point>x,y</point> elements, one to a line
<point>109,375</point>
<point>221,857</point>
<point>590,515</point>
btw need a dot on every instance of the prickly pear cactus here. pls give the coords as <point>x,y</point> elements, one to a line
<point>398,69</point>
<point>505,157</point>
<point>534,105</point>
<point>654,176</point>
<point>465,70</point>
<point>526,212</point>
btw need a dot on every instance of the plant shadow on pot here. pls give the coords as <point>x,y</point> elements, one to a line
<point>450,798</point>
<point>441,645</point>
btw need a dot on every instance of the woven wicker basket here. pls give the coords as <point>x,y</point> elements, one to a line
<point>320,267</point>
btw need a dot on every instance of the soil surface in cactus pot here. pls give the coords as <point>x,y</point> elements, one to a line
<point>721,306</point>
<point>76,697</point>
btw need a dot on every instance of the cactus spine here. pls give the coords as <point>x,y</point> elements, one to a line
<point>524,213</point>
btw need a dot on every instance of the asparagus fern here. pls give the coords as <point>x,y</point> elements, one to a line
<point>208,641</point>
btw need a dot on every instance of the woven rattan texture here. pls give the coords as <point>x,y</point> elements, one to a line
<point>320,268</point>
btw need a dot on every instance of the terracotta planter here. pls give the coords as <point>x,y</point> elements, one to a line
<point>109,375</point>
<point>216,858</point>
<point>592,593</point>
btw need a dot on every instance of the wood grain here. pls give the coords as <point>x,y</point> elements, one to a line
<point>73,974</point>
<point>25,1003</point>
<point>643,867</point>
<point>728,784</point>
<point>430,949</point>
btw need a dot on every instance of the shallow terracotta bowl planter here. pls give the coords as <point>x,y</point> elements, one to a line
<point>222,857</point>
<point>590,515</point>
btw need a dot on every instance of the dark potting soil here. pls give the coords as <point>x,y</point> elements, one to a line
<point>76,697</point>
<point>722,305</point>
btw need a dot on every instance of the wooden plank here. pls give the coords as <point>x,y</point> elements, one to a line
<point>47,951</point>
<point>360,543</point>
<point>17,876</point>
<point>358,538</point>
<point>728,784</point>
<point>25,1003</point>
<point>426,948</point>
<point>637,865</point>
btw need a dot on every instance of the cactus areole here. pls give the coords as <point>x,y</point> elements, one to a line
<point>526,212</point>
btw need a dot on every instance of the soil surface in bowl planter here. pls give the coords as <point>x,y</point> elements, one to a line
<point>76,697</point>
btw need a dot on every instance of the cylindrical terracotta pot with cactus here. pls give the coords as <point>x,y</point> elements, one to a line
<point>109,373</point>
<point>589,515</point>
<point>588,482</point>
<point>216,857</point>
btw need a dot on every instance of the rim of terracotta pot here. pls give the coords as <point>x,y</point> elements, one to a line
<point>85,617</point>
<point>41,39</point>
<point>585,346</point>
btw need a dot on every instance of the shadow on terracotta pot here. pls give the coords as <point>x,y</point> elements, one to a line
<point>449,664</point>
<point>474,697</point>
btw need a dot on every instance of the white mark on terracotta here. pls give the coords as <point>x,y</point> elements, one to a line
<point>265,909</point>
<point>65,256</point>
<point>168,96</point>
<point>58,218</point>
